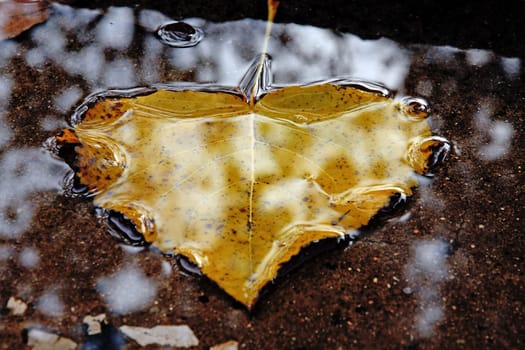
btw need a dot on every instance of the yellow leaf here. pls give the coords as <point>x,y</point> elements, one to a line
<point>239,188</point>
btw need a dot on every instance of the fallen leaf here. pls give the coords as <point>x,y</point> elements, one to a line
<point>17,16</point>
<point>180,336</point>
<point>240,181</point>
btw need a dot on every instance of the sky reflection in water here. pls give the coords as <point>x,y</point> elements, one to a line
<point>426,271</point>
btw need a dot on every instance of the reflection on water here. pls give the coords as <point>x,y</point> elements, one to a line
<point>498,134</point>
<point>511,66</point>
<point>24,172</point>
<point>478,57</point>
<point>116,28</point>
<point>179,34</point>
<point>29,257</point>
<point>304,53</point>
<point>50,303</point>
<point>5,252</point>
<point>300,54</point>
<point>66,99</point>
<point>6,84</point>
<point>426,271</point>
<point>79,51</point>
<point>128,290</point>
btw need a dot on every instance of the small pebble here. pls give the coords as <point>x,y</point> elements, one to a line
<point>39,339</point>
<point>229,345</point>
<point>16,306</point>
<point>179,336</point>
<point>94,323</point>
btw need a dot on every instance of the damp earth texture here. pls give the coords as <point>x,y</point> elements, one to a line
<point>418,258</point>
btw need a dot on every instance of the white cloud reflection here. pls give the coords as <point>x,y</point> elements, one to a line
<point>8,49</point>
<point>50,304</point>
<point>6,252</point>
<point>511,66</point>
<point>25,172</point>
<point>425,272</point>
<point>6,86</point>
<point>65,100</point>
<point>119,73</point>
<point>477,57</point>
<point>128,290</point>
<point>116,28</point>
<point>29,257</point>
<point>498,132</point>
<point>301,53</point>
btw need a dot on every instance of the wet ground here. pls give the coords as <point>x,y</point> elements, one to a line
<point>448,270</point>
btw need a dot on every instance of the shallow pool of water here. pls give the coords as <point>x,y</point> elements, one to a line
<point>448,269</point>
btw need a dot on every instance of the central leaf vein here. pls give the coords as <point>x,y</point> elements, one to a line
<point>252,183</point>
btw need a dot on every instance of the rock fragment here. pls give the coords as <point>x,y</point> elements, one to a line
<point>16,306</point>
<point>94,323</point>
<point>39,339</point>
<point>179,336</point>
<point>229,345</point>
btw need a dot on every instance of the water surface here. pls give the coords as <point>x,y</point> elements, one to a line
<point>449,270</point>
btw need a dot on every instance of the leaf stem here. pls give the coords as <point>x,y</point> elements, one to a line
<point>272,11</point>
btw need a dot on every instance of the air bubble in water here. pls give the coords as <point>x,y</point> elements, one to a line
<point>179,34</point>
